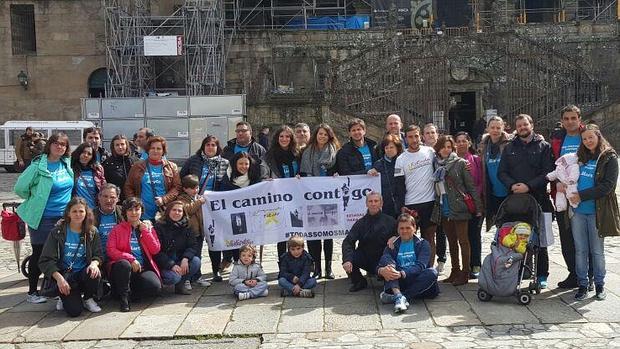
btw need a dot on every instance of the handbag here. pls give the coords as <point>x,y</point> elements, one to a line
<point>49,287</point>
<point>467,198</point>
<point>13,228</point>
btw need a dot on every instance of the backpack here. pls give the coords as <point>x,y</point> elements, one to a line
<point>13,228</point>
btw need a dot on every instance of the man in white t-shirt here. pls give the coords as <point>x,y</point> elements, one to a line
<point>414,184</point>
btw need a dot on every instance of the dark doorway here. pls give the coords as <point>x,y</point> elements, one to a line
<point>454,13</point>
<point>462,114</point>
<point>96,83</point>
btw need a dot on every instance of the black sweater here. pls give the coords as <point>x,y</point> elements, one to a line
<point>371,234</point>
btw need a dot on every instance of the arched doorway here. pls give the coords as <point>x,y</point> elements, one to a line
<point>96,83</point>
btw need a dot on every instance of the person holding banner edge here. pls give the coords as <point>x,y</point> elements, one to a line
<point>319,159</point>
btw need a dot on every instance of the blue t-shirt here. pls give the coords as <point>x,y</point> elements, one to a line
<point>144,155</point>
<point>136,250</point>
<point>72,248</point>
<point>208,177</point>
<point>239,149</point>
<point>497,187</point>
<point>157,175</point>
<point>570,144</point>
<point>62,189</point>
<point>445,205</point>
<point>106,223</point>
<point>86,188</point>
<point>365,151</point>
<point>586,181</point>
<point>286,173</point>
<point>406,254</point>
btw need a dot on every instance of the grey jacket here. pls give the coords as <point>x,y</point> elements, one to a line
<point>241,272</point>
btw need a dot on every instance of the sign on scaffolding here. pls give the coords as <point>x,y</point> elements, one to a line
<point>164,45</point>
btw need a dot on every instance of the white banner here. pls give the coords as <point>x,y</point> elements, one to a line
<point>271,211</point>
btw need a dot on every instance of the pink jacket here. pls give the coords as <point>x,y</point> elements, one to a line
<point>475,169</point>
<point>566,169</point>
<point>118,246</point>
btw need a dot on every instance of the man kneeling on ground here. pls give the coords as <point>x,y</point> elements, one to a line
<point>371,234</point>
<point>404,267</point>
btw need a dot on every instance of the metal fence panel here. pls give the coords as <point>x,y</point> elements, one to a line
<point>122,108</point>
<point>112,128</point>
<point>169,128</point>
<point>167,106</point>
<point>178,148</point>
<point>91,108</point>
<point>217,105</point>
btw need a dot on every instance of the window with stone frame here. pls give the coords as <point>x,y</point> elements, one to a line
<point>23,34</point>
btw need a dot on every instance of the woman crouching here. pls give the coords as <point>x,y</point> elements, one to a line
<point>71,256</point>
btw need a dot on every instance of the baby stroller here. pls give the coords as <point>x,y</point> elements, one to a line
<point>504,269</point>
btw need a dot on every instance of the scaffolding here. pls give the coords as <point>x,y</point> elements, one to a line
<point>198,71</point>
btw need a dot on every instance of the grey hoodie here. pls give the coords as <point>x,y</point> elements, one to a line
<point>241,272</point>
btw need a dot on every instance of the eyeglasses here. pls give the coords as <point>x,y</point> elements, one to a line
<point>60,144</point>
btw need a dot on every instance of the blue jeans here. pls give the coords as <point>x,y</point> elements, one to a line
<point>287,286</point>
<point>422,285</point>
<point>587,242</point>
<point>169,277</point>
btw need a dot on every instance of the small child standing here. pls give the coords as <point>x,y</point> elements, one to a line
<point>247,277</point>
<point>295,267</point>
<point>192,205</point>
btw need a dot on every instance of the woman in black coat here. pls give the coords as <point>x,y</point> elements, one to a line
<point>391,147</point>
<point>117,166</point>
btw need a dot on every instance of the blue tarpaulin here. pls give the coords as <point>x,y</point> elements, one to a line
<point>329,22</point>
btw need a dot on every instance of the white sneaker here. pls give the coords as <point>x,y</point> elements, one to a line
<point>34,298</point>
<point>187,285</point>
<point>243,296</point>
<point>305,293</point>
<point>440,266</point>
<point>91,305</point>
<point>386,298</point>
<point>265,293</point>
<point>59,305</point>
<point>400,304</point>
<point>203,282</point>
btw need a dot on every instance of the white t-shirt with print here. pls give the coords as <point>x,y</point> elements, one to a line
<point>418,171</point>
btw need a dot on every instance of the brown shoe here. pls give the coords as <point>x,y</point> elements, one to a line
<point>453,274</point>
<point>461,279</point>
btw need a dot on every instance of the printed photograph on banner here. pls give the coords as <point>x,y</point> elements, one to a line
<point>269,220</point>
<point>211,232</point>
<point>238,223</point>
<point>297,220</point>
<point>323,215</point>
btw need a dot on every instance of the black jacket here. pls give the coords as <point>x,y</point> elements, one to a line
<point>103,154</point>
<point>175,240</point>
<point>53,250</point>
<point>116,169</point>
<point>386,168</point>
<point>371,233</point>
<point>291,267</point>
<point>255,150</point>
<point>349,160</point>
<point>528,163</point>
<point>195,164</point>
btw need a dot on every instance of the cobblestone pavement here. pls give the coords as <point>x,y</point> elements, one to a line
<point>333,319</point>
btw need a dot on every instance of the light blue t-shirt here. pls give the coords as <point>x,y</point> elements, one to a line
<point>106,223</point>
<point>365,151</point>
<point>62,189</point>
<point>239,149</point>
<point>208,177</point>
<point>72,248</point>
<point>136,250</point>
<point>157,175</point>
<point>570,144</point>
<point>586,181</point>
<point>497,187</point>
<point>144,155</point>
<point>406,254</point>
<point>286,173</point>
<point>86,188</point>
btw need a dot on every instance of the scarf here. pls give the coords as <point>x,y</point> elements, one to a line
<point>442,166</point>
<point>241,181</point>
<point>313,159</point>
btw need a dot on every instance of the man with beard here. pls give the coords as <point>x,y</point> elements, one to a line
<point>24,147</point>
<point>524,164</point>
<point>92,136</point>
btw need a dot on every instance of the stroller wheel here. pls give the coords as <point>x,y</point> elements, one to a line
<point>25,266</point>
<point>484,296</point>
<point>524,298</point>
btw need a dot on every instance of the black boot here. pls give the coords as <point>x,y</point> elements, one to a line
<point>125,304</point>
<point>318,273</point>
<point>329,274</point>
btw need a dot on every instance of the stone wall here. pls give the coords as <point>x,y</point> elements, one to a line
<point>70,45</point>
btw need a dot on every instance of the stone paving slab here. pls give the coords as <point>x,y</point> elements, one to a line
<point>53,327</point>
<point>301,320</point>
<point>254,319</point>
<point>500,311</point>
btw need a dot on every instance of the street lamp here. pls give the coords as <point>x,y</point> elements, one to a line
<point>23,79</point>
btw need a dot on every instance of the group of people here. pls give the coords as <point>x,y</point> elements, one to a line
<point>445,185</point>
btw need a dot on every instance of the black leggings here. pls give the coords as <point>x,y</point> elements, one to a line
<point>125,281</point>
<point>33,268</point>
<point>315,246</point>
<point>79,282</point>
<point>216,259</point>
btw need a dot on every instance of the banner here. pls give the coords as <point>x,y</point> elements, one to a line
<point>315,208</point>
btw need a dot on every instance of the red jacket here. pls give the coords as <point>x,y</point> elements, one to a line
<point>118,246</point>
<point>557,140</point>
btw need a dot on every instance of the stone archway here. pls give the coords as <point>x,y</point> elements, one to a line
<point>96,83</point>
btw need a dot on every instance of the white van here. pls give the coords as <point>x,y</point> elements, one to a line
<point>12,130</point>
